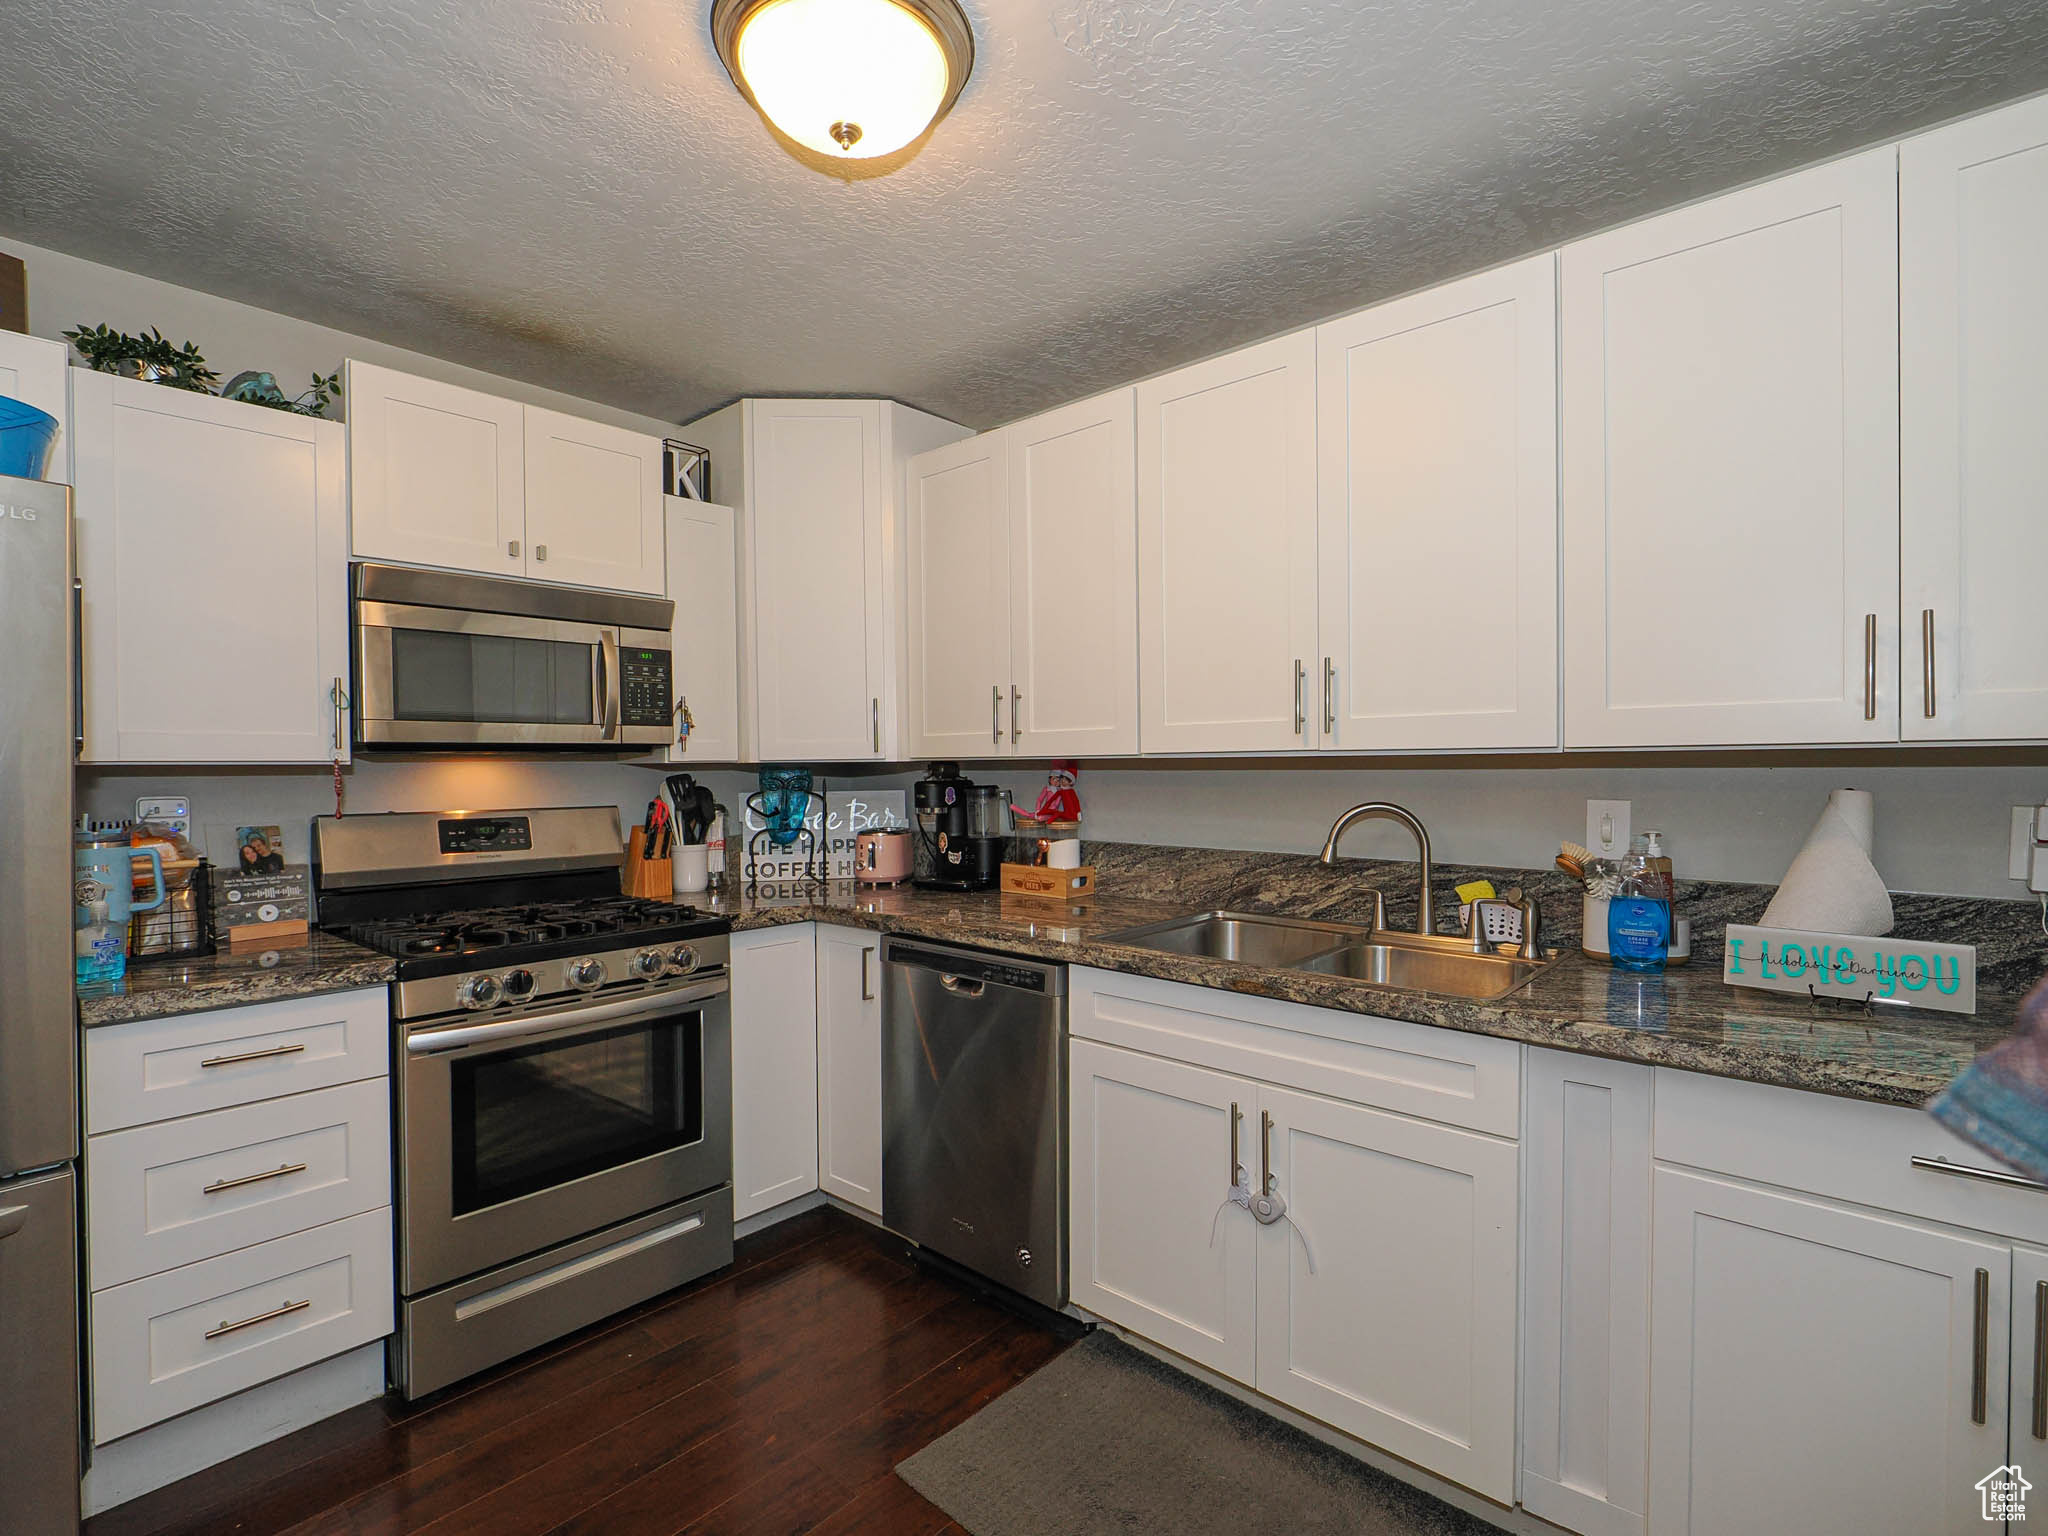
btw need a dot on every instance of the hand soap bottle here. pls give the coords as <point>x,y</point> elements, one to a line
<point>1639,916</point>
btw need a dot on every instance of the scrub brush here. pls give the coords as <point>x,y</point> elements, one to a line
<point>1572,858</point>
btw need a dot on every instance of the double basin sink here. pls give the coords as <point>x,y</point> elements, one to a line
<point>1411,962</point>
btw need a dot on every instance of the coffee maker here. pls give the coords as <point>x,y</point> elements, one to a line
<point>962,831</point>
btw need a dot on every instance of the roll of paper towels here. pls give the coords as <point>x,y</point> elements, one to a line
<point>1832,887</point>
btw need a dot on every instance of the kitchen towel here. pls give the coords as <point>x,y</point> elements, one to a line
<point>1832,887</point>
<point>2000,1102</point>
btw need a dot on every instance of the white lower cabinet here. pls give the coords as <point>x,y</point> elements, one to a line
<point>2028,1372</point>
<point>1815,1366</point>
<point>849,964</point>
<point>774,1068</point>
<point>1384,1306</point>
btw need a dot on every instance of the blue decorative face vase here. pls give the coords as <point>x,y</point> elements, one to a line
<point>785,802</point>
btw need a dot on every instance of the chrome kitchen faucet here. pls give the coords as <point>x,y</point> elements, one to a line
<point>1425,916</point>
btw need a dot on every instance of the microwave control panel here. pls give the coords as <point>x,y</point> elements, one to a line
<point>643,686</point>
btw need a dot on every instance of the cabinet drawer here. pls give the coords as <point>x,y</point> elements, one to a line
<point>1845,1148</point>
<point>184,1190</point>
<point>1413,1069</point>
<point>268,1310</point>
<point>157,1069</point>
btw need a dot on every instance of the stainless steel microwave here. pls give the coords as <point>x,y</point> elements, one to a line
<point>447,660</point>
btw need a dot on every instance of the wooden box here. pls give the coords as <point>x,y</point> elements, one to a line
<point>1052,884</point>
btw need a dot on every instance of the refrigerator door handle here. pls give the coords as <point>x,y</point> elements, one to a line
<point>78,662</point>
<point>12,1219</point>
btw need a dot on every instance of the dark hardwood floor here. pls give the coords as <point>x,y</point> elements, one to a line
<point>775,1396</point>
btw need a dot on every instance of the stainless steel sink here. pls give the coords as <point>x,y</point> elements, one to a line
<point>1414,963</point>
<point>1249,938</point>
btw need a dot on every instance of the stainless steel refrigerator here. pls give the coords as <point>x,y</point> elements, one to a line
<point>39,721</point>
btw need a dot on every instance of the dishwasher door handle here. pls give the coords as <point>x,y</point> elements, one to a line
<point>960,986</point>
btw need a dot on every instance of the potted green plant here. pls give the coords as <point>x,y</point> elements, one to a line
<point>149,356</point>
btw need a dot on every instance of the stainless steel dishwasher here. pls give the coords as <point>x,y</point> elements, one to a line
<point>974,1111</point>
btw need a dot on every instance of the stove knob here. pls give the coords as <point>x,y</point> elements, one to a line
<point>587,974</point>
<point>478,992</point>
<point>518,985</point>
<point>648,964</point>
<point>682,958</point>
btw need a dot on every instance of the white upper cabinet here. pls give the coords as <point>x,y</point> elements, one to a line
<point>33,371</point>
<point>703,582</point>
<point>1973,313</point>
<point>1437,434</point>
<point>1073,574</point>
<point>1730,468</point>
<point>437,473</point>
<point>593,503</point>
<point>1227,552</point>
<point>956,531</point>
<point>213,548</point>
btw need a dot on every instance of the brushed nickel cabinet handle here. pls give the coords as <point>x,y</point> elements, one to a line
<point>1870,666</point>
<point>867,994</point>
<point>2040,1425</point>
<point>1980,1348</point>
<point>339,695</point>
<point>512,548</point>
<point>1236,1163</point>
<point>995,712</point>
<point>1329,696</point>
<point>284,1170</point>
<point>875,723</point>
<point>1300,720</point>
<point>1266,1180</point>
<point>540,551</point>
<point>1015,698</point>
<point>1927,662</point>
<point>78,663</point>
<point>1965,1171</point>
<point>236,1061</point>
<point>261,1317</point>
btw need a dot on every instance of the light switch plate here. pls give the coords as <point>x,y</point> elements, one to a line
<point>173,811</point>
<point>1607,828</point>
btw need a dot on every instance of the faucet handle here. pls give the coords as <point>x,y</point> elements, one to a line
<point>1532,921</point>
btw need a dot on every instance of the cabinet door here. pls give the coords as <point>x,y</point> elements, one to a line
<point>956,526</point>
<point>1586,1292</point>
<point>815,490</point>
<point>774,1068</point>
<point>2027,1371</point>
<point>593,503</point>
<point>1387,1298</point>
<point>1973,316</point>
<point>1155,1245</point>
<point>212,545</point>
<point>437,473</point>
<point>850,1066</point>
<point>1074,580</point>
<point>702,553</point>
<point>1813,1366</point>
<point>36,372</point>
<point>1438,552</point>
<point>1730,429</point>
<point>1227,552</point>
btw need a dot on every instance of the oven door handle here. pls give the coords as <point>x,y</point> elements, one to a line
<point>608,682</point>
<point>455,1037</point>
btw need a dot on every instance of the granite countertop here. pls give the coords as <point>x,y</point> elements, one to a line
<point>157,989</point>
<point>1684,1017</point>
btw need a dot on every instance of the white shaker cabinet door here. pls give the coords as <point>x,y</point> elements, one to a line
<point>1730,468</point>
<point>1387,1299</point>
<point>1227,552</point>
<point>593,503</point>
<point>1153,1245</point>
<point>774,1068</point>
<point>437,473</point>
<point>2028,1369</point>
<point>212,545</point>
<point>36,372</point>
<point>850,1066</point>
<point>1073,577</point>
<point>1815,1367</point>
<point>703,582</point>
<point>1973,314</point>
<point>1437,437</point>
<point>815,487</point>
<point>956,528</point>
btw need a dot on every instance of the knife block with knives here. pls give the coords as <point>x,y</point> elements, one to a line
<point>651,879</point>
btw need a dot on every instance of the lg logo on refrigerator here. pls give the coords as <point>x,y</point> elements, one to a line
<point>16,514</point>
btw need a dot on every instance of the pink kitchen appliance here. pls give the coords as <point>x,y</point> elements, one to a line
<point>882,856</point>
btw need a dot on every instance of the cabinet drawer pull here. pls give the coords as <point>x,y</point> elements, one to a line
<point>1870,666</point>
<point>2041,1360</point>
<point>1980,1348</point>
<point>261,1317</point>
<point>867,991</point>
<point>1265,1153</point>
<point>1300,675</point>
<point>236,1061</point>
<point>1927,662</point>
<point>1987,1175</point>
<point>540,551</point>
<point>512,548</point>
<point>284,1170</point>
<point>1016,696</point>
<point>1236,1163</point>
<point>875,722</point>
<point>995,712</point>
<point>1329,696</point>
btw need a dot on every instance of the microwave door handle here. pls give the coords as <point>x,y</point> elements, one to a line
<point>608,682</point>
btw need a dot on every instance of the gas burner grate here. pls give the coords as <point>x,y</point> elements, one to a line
<point>496,928</point>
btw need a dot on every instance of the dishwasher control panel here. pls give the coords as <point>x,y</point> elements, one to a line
<point>965,965</point>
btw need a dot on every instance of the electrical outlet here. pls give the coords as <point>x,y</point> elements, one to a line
<point>1607,828</point>
<point>173,811</point>
<point>2021,850</point>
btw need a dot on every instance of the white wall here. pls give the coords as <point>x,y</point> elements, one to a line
<point>65,292</point>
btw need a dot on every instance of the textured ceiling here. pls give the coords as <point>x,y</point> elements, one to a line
<point>572,191</point>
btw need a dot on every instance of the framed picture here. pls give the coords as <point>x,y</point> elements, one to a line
<point>258,851</point>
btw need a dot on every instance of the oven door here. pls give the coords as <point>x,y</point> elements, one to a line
<point>454,677</point>
<point>521,1133</point>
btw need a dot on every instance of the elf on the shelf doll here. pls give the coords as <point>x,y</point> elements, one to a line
<point>1057,801</point>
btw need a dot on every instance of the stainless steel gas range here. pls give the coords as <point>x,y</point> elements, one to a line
<point>562,1066</point>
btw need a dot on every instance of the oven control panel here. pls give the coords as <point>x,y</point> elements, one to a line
<point>487,834</point>
<point>643,686</point>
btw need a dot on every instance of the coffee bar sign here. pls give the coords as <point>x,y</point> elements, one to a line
<point>1849,967</point>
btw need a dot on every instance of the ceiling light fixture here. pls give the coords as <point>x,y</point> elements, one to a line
<point>848,79</point>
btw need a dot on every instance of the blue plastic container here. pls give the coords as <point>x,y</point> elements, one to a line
<point>26,437</point>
